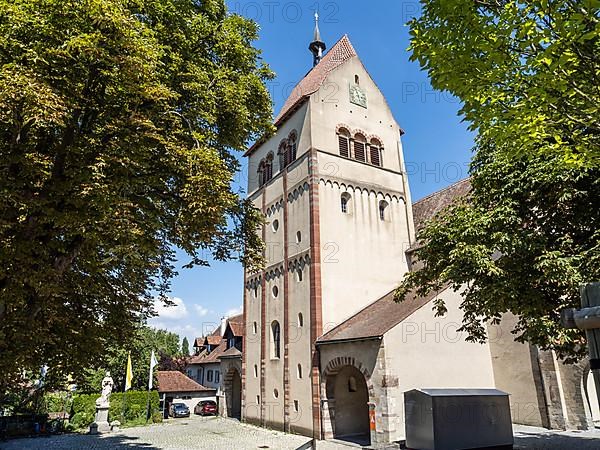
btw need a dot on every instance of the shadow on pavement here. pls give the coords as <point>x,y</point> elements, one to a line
<point>551,441</point>
<point>78,441</point>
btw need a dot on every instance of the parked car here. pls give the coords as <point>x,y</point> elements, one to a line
<point>179,410</point>
<point>205,408</point>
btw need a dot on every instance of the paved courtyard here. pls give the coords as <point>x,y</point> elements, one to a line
<point>212,433</point>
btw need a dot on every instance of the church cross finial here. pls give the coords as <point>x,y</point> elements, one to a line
<point>317,46</point>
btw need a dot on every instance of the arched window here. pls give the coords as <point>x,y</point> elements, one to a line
<point>344,142</point>
<point>360,143</point>
<point>282,154</point>
<point>261,174</point>
<point>382,209</point>
<point>299,275</point>
<point>256,373</point>
<point>299,371</point>
<point>351,384</point>
<point>356,80</point>
<point>345,202</point>
<point>292,147</point>
<point>275,340</point>
<point>375,152</point>
<point>269,167</point>
<point>300,320</point>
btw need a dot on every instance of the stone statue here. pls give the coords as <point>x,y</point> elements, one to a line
<point>101,424</point>
<point>107,385</point>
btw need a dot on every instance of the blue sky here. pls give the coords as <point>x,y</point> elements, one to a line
<point>437,145</point>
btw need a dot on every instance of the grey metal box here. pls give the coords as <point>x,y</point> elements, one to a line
<point>456,419</point>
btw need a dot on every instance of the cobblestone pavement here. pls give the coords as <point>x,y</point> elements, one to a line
<point>215,433</point>
<point>177,434</point>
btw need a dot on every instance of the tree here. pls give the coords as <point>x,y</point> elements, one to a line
<point>527,234</point>
<point>522,241</point>
<point>527,72</point>
<point>185,347</point>
<point>119,122</point>
<point>143,341</point>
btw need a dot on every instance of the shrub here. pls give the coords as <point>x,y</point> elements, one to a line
<point>132,413</point>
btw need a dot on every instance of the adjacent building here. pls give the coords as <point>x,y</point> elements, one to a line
<point>175,387</point>
<point>217,364</point>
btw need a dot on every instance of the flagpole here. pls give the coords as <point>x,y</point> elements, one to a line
<point>128,379</point>
<point>153,363</point>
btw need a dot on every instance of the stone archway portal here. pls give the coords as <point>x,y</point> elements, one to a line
<point>348,400</point>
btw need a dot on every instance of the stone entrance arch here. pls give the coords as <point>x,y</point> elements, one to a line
<point>232,384</point>
<point>348,393</point>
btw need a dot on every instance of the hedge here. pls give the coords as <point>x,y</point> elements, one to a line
<point>84,409</point>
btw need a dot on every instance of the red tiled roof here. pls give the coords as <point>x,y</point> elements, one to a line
<point>199,342</point>
<point>232,352</point>
<point>236,318</point>
<point>377,318</point>
<point>312,82</point>
<point>211,357</point>
<point>174,381</point>
<point>426,208</point>
<point>341,52</point>
<point>237,328</point>
<point>213,339</point>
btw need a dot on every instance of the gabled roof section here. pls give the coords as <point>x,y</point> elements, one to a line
<point>341,52</point>
<point>377,318</point>
<point>237,328</point>
<point>426,208</point>
<point>312,82</point>
<point>174,381</point>
<point>212,357</point>
<point>231,353</point>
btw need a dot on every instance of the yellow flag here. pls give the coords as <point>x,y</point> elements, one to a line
<point>129,373</point>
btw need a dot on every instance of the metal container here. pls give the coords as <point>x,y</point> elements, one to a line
<point>455,419</point>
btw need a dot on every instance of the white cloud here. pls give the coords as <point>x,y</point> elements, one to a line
<point>175,312</point>
<point>201,310</point>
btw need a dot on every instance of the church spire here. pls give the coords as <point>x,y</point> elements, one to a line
<point>317,46</point>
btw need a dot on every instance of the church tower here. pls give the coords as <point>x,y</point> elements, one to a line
<point>332,185</point>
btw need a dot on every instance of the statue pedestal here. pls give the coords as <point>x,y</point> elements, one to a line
<point>101,424</point>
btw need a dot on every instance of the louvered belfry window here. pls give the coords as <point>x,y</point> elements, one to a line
<point>344,142</point>
<point>359,150</point>
<point>375,152</point>
<point>344,150</point>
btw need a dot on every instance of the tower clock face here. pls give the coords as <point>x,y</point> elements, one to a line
<point>358,96</point>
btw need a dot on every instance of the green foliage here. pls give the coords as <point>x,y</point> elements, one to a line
<point>527,72</point>
<point>527,235</point>
<point>134,413</point>
<point>118,125</point>
<point>523,241</point>
<point>83,411</point>
<point>185,347</point>
<point>56,402</point>
<point>141,343</point>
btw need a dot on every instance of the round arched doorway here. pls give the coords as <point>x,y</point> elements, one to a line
<point>348,394</point>
<point>234,395</point>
